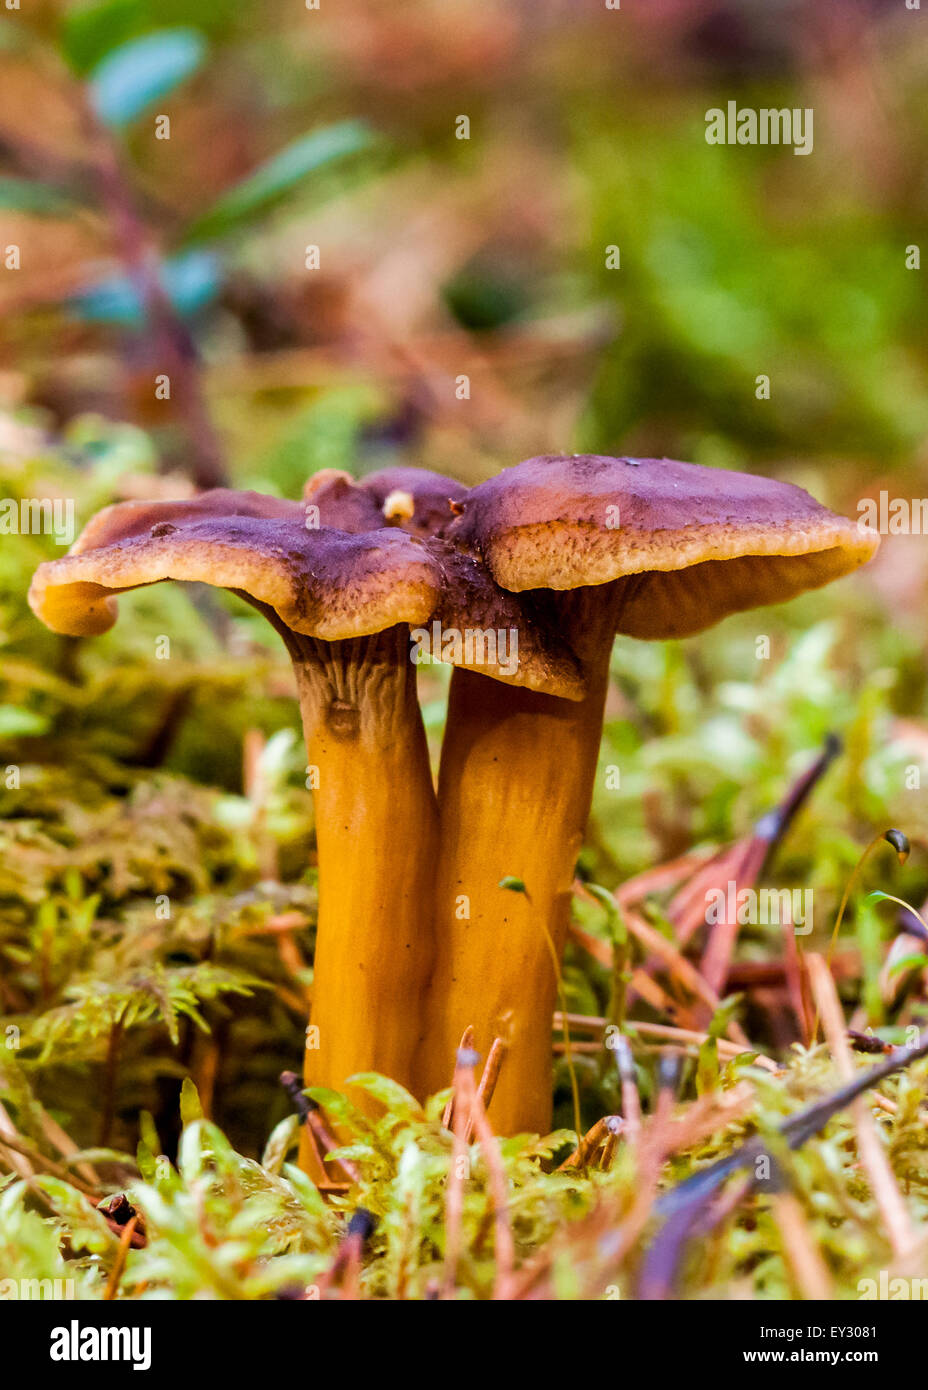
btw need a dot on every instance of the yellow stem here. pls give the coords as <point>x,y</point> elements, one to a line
<point>565,1029</point>
<point>514,795</point>
<point>376,832</point>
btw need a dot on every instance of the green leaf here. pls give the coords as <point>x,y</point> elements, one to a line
<point>618,932</point>
<point>190,1107</point>
<point>142,71</point>
<point>723,1015</point>
<point>707,1067</point>
<point>514,885</point>
<point>203,1145</point>
<point>90,31</point>
<point>25,195</point>
<point>879,896</point>
<point>282,1139</point>
<point>148,1133</point>
<point>87,1229</point>
<point>339,1111</point>
<point>98,1155</point>
<point>145,1160</point>
<point>16,722</point>
<point>274,180</point>
<point>356,1153</point>
<point>395,1098</point>
<point>308,1195</point>
<point>435,1105</point>
<point>916,961</point>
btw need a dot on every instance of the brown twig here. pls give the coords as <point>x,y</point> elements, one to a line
<point>491,1072</point>
<point>665,1031</point>
<point>122,1255</point>
<point>467,1045</point>
<point>34,1156</point>
<point>589,1143</point>
<point>172,345</point>
<point>461,1119</point>
<point>345,1269</point>
<point>895,1217</point>
<point>470,1113</point>
<point>505,1247</point>
<point>802,1255</point>
<point>323,1140</point>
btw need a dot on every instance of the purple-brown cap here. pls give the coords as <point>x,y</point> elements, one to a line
<point>691,544</point>
<point>414,499</point>
<point>320,581</point>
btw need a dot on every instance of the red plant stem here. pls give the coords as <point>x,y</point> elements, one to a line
<point>171,342</point>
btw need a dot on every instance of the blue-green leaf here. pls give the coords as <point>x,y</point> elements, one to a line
<point>191,282</point>
<point>142,71</point>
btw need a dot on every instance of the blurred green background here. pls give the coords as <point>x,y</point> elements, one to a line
<point>487,256</point>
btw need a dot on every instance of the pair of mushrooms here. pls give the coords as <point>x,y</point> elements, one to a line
<point>417,936</point>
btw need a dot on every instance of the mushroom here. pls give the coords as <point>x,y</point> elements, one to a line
<point>344,601</point>
<point>420,501</point>
<point>646,547</point>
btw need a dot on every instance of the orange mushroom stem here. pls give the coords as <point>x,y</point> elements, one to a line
<point>514,792</point>
<point>650,548</point>
<point>343,604</point>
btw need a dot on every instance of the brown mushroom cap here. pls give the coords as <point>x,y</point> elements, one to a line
<point>325,583</point>
<point>692,544</point>
<point>341,502</point>
<point>362,505</point>
<point>432,495</point>
<point>496,626</point>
